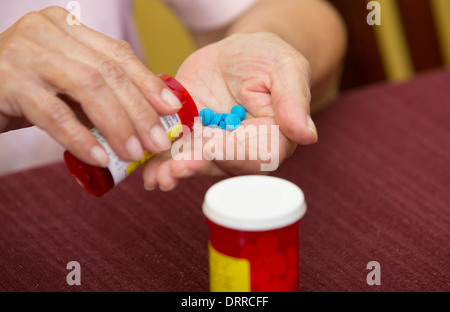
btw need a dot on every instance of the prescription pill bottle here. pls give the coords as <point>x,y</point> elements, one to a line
<point>98,181</point>
<point>254,231</point>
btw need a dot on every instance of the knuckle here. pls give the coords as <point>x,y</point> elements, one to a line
<point>75,132</point>
<point>297,62</point>
<point>30,21</point>
<point>13,46</point>
<point>112,71</point>
<point>122,50</point>
<point>54,11</point>
<point>143,113</point>
<point>7,50</point>
<point>59,114</point>
<point>70,131</point>
<point>92,80</point>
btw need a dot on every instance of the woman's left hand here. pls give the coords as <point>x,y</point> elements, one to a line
<point>265,75</point>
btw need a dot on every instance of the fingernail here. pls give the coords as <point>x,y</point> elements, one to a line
<point>134,148</point>
<point>148,188</point>
<point>159,137</point>
<point>312,127</point>
<point>170,98</point>
<point>168,188</point>
<point>100,156</point>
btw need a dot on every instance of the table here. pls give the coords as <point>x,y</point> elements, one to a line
<point>377,185</point>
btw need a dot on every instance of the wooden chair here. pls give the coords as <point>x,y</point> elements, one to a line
<point>414,36</point>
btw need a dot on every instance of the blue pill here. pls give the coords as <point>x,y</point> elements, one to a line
<point>223,117</point>
<point>232,121</point>
<point>223,125</point>
<point>238,111</point>
<point>215,120</point>
<point>206,115</point>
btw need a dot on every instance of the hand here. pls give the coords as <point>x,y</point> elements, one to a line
<point>259,71</point>
<point>47,67</point>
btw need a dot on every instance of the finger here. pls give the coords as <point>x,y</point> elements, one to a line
<point>290,89</point>
<point>51,114</point>
<point>257,146</point>
<point>168,168</point>
<point>166,181</point>
<point>143,116</point>
<point>151,169</point>
<point>87,86</point>
<point>183,169</point>
<point>153,89</point>
<point>171,171</point>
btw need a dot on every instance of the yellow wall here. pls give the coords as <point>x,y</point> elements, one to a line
<point>165,41</point>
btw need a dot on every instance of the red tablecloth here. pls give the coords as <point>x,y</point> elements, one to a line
<point>377,186</point>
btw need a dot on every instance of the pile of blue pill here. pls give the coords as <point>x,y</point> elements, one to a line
<point>225,121</point>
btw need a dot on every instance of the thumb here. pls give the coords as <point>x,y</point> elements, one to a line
<point>291,97</point>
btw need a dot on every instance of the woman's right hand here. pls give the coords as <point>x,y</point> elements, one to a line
<point>44,61</point>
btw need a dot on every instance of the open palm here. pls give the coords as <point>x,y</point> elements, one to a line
<point>265,75</point>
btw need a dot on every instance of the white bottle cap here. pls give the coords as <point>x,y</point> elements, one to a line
<point>254,203</point>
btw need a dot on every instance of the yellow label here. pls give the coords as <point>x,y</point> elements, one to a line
<point>175,132</point>
<point>172,134</point>
<point>132,167</point>
<point>228,274</point>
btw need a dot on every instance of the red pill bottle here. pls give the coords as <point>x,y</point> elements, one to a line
<point>97,180</point>
<point>254,232</point>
